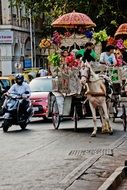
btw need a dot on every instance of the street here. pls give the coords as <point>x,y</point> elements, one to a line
<point>41,157</point>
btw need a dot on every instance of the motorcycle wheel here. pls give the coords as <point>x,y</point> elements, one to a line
<point>5,125</point>
<point>23,125</point>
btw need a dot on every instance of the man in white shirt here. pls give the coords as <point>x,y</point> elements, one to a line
<point>43,72</point>
<point>108,57</point>
<point>21,89</point>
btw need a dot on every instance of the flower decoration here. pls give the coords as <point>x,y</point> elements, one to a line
<point>70,60</point>
<point>67,34</point>
<point>45,43</point>
<point>54,59</point>
<point>111,41</point>
<point>56,39</point>
<point>120,44</point>
<point>88,34</point>
<point>125,43</point>
<point>100,36</point>
<point>76,63</point>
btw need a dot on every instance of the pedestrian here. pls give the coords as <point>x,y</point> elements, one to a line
<point>42,73</point>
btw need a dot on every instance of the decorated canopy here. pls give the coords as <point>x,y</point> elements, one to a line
<point>72,20</point>
<point>122,30</point>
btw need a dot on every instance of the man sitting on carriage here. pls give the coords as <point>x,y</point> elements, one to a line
<point>108,57</point>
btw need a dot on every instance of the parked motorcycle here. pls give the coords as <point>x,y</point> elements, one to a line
<point>14,113</point>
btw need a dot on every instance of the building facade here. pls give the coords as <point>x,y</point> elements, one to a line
<point>15,43</point>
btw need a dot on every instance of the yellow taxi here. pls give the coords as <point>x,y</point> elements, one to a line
<point>6,82</point>
<point>29,74</point>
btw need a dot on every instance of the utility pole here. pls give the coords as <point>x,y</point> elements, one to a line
<point>31,38</point>
<point>34,39</point>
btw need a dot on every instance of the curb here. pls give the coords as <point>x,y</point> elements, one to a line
<point>113,182</point>
<point>77,172</point>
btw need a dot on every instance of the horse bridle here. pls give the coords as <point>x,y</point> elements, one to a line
<point>88,75</point>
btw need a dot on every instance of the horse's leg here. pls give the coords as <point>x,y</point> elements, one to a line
<point>101,112</point>
<point>104,106</point>
<point>93,110</point>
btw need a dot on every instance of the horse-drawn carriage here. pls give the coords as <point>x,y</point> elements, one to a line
<point>119,95</point>
<point>71,103</point>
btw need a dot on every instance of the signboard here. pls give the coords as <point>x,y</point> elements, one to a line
<point>17,65</point>
<point>6,37</point>
<point>27,63</point>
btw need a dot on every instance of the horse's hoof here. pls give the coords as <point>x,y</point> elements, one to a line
<point>111,133</point>
<point>93,135</point>
<point>105,131</point>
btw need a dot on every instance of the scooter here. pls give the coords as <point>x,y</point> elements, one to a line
<point>13,112</point>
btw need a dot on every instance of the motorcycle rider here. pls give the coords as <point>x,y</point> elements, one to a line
<point>21,89</point>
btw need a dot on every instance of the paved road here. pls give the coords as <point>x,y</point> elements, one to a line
<point>41,157</point>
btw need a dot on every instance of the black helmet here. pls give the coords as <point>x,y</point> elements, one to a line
<point>19,78</point>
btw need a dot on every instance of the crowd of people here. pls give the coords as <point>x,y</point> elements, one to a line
<point>112,56</point>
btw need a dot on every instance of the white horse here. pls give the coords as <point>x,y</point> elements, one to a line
<point>96,94</point>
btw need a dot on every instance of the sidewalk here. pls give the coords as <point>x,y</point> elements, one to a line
<point>123,186</point>
<point>102,169</point>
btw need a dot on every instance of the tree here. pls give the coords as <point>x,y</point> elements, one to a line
<point>105,13</point>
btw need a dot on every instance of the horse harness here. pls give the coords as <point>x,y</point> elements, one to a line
<point>94,94</point>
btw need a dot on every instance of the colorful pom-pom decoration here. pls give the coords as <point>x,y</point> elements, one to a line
<point>56,39</point>
<point>45,43</point>
<point>100,36</point>
<point>125,43</point>
<point>111,41</point>
<point>70,59</point>
<point>120,44</point>
<point>54,59</point>
<point>88,34</point>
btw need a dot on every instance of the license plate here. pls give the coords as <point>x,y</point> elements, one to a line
<point>35,108</point>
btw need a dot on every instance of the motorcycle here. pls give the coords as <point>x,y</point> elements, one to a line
<point>14,114</point>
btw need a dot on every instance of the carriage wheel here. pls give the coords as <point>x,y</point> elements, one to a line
<point>55,115</point>
<point>124,117</point>
<point>75,117</point>
<point>115,113</point>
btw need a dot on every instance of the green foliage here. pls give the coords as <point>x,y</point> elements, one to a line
<point>100,36</point>
<point>54,59</point>
<point>105,13</point>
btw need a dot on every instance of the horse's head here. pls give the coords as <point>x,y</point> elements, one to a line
<point>87,74</point>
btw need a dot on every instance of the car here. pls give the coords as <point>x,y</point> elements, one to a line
<point>41,87</point>
<point>6,82</point>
